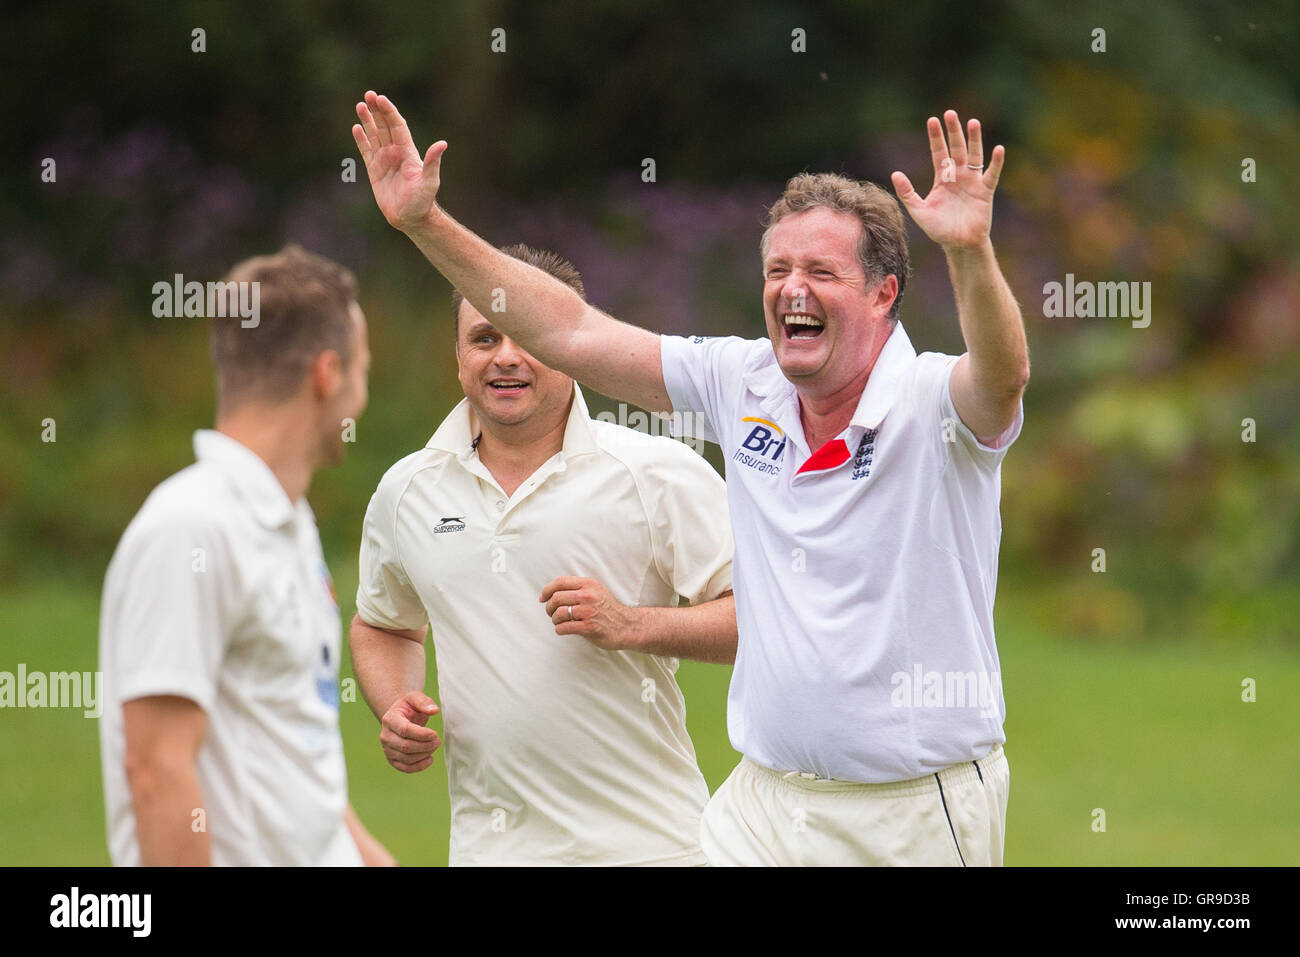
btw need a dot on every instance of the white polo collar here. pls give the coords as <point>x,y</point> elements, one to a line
<point>459,431</point>
<point>251,477</point>
<point>779,398</point>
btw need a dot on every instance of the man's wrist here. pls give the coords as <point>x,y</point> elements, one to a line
<point>638,634</point>
<point>961,254</point>
<point>429,225</point>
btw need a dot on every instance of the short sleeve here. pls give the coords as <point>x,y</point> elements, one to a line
<point>936,379</point>
<point>690,530</point>
<point>695,370</point>
<point>385,596</point>
<point>171,606</point>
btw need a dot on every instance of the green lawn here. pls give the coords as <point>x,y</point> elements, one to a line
<point>1158,738</point>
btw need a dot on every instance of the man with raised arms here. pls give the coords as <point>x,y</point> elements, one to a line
<point>864,484</point>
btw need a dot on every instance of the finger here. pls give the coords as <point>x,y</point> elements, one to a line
<point>560,599</point>
<point>368,126</point>
<point>381,128</point>
<point>563,583</point>
<point>938,148</point>
<point>410,765</point>
<point>397,128</point>
<point>564,628</point>
<point>994,172</point>
<point>397,725</point>
<point>974,143</point>
<point>408,750</point>
<point>956,141</point>
<point>417,767</point>
<point>561,615</point>
<point>907,194</point>
<point>363,144</point>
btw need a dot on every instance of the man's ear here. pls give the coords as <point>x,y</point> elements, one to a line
<point>886,293</point>
<point>327,374</point>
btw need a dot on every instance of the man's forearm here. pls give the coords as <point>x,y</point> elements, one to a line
<point>704,632</point>
<point>170,819</point>
<point>545,316</point>
<point>534,308</point>
<point>387,665</point>
<point>991,323</point>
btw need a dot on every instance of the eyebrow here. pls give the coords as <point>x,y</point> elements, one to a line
<point>812,263</point>
<point>479,329</point>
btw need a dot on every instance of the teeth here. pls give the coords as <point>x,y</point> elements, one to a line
<point>799,319</point>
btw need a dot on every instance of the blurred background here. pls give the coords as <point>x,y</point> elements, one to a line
<point>1175,448</point>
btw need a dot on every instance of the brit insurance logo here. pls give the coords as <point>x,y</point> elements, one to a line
<point>763,447</point>
<point>454,524</point>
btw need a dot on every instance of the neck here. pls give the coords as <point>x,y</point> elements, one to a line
<point>512,453</point>
<point>278,438</point>
<point>825,415</point>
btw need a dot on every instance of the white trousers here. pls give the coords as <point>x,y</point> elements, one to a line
<point>956,817</point>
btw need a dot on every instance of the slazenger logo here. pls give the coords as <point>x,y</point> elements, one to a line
<point>456,524</point>
<point>763,447</point>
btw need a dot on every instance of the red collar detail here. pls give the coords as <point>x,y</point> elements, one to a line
<point>833,453</point>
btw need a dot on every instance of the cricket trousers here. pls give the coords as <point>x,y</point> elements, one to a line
<point>953,818</point>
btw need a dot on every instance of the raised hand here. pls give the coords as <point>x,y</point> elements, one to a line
<point>958,212</point>
<point>405,187</point>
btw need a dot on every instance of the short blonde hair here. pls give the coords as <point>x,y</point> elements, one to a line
<point>882,249</point>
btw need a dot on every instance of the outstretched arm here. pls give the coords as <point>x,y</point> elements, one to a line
<point>990,378</point>
<point>535,309</point>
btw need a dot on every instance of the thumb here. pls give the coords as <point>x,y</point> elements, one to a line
<point>903,187</point>
<point>433,156</point>
<point>422,702</point>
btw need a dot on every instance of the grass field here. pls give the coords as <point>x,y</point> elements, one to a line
<point>1159,738</point>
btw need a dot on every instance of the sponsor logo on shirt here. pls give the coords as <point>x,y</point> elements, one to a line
<point>763,447</point>
<point>454,524</point>
<point>862,458</point>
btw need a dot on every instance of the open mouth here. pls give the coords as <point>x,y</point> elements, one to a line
<point>801,327</point>
<point>507,386</point>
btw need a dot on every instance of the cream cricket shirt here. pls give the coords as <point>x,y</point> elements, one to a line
<point>557,752</point>
<point>865,570</point>
<point>218,592</point>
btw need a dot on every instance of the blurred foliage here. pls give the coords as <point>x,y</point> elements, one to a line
<point>1122,166</point>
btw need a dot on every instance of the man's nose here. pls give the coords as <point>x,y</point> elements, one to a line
<point>508,354</point>
<point>794,294</point>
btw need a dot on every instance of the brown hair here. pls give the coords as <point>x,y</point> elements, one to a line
<point>882,250</point>
<point>304,308</point>
<point>543,259</point>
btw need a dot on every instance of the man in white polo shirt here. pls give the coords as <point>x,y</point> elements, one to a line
<point>566,737</point>
<point>219,631</point>
<point>863,482</point>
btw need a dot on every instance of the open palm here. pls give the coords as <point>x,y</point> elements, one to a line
<point>958,211</point>
<point>405,186</point>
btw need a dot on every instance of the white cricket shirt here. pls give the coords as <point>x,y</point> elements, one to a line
<point>865,571</point>
<point>218,592</point>
<point>557,752</point>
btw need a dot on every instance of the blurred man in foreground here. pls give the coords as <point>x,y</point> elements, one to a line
<point>566,730</point>
<point>219,631</point>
